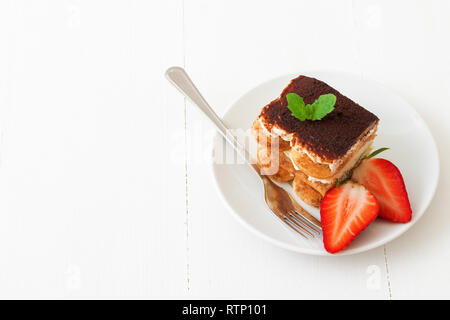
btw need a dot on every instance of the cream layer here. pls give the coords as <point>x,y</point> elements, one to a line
<point>333,165</point>
<point>356,157</point>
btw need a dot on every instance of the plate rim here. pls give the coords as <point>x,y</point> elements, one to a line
<point>303,250</point>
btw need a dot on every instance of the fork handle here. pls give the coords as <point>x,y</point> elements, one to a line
<point>180,80</point>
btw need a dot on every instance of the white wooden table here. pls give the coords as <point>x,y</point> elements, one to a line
<point>105,189</point>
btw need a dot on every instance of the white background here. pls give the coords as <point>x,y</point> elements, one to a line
<point>104,187</point>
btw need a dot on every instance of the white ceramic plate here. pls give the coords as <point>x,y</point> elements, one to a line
<point>401,129</point>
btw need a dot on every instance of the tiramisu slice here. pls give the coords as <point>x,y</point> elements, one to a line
<point>323,150</point>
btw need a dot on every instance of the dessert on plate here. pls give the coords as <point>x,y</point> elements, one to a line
<point>322,151</point>
<point>321,140</point>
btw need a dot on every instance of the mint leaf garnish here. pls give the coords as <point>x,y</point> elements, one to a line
<point>373,154</point>
<point>296,105</point>
<point>316,111</point>
<point>323,106</point>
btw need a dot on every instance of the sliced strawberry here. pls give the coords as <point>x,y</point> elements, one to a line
<point>384,180</point>
<point>345,212</point>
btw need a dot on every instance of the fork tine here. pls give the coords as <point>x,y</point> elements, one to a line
<point>305,216</point>
<point>290,218</point>
<point>302,223</point>
<point>293,227</point>
<point>310,224</point>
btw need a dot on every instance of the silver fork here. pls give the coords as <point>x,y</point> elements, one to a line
<point>279,201</point>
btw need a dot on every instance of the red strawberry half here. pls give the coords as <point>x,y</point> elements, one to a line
<point>384,180</point>
<point>345,212</point>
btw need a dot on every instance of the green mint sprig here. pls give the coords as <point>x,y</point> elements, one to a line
<point>373,154</point>
<point>316,111</point>
<point>378,151</point>
<point>341,182</point>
